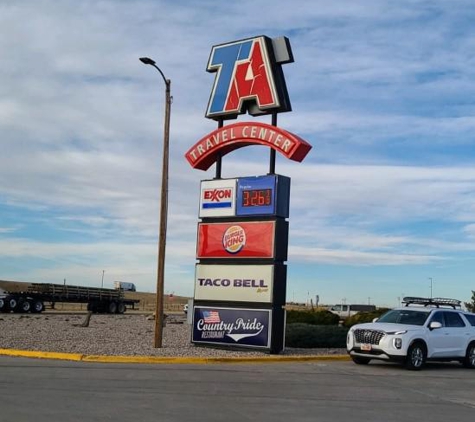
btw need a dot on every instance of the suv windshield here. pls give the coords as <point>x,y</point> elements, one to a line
<point>403,316</point>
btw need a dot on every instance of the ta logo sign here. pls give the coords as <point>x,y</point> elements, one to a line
<point>249,77</point>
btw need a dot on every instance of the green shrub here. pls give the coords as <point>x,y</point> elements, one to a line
<point>315,336</point>
<point>321,317</point>
<point>362,317</point>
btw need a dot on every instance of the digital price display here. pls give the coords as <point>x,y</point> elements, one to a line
<point>256,197</point>
<point>263,195</point>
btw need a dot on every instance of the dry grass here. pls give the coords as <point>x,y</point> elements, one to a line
<point>171,303</point>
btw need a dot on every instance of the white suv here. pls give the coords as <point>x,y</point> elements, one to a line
<point>424,329</point>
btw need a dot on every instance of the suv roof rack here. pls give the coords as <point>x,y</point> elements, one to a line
<point>436,301</point>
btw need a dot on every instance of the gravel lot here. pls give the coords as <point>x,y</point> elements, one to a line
<point>127,335</point>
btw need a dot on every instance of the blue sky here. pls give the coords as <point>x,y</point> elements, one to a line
<point>384,91</point>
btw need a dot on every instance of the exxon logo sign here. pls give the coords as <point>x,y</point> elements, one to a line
<point>217,198</point>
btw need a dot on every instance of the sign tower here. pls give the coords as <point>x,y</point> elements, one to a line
<point>242,237</point>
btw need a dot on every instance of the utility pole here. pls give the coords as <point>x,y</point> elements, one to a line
<point>162,234</point>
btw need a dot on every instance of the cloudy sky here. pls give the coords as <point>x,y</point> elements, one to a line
<point>383,90</point>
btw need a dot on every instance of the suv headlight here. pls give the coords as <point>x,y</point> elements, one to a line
<point>396,333</point>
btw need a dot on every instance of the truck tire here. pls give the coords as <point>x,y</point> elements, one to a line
<point>37,307</point>
<point>12,303</point>
<point>2,304</point>
<point>121,308</point>
<point>24,305</point>
<point>112,308</point>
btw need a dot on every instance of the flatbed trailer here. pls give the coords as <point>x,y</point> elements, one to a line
<point>99,300</point>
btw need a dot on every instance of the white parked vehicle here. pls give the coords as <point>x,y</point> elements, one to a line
<point>423,330</point>
<point>345,311</point>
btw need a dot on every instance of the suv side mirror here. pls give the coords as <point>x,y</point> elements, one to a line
<point>375,319</point>
<point>434,325</point>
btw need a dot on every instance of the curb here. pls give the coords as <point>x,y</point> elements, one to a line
<point>78,357</point>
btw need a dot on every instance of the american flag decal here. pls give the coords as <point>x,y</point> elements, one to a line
<point>211,317</point>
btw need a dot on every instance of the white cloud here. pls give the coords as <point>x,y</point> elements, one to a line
<point>7,229</point>
<point>390,192</point>
<point>357,258</point>
<point>469,229</point>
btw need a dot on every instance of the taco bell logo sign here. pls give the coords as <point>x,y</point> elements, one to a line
<point>240,327</point>
<point>248,77</point>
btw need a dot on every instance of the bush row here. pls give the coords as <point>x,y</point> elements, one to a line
<point>324,317</point>
<point>363,317</point>
<point>320,329</point>
<point>315,336</point>
<point>320,317</point>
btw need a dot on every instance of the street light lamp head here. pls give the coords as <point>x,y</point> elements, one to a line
<point>146,60</point>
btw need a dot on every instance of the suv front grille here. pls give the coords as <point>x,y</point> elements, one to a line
<point>368,336</point>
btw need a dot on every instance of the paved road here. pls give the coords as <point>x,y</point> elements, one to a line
<point>50,391</point>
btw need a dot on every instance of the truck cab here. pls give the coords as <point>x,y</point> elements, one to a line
<point>126,287</point>
<point>345,311</point>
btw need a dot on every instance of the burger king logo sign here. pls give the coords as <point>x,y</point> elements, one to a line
<point>234,239</point>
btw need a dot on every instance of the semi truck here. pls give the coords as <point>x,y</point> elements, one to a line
<point>37,295</point>
<point>345,311</point>
<point>128,287</point>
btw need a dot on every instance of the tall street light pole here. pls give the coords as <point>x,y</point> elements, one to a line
<point>162,236</point>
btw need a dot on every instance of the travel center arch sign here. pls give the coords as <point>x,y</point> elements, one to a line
<point>242,236</point>
<point>231,137</point>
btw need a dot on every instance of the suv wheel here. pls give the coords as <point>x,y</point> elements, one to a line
<point>416,357</point>
<point>469,361</point>
<point>360,361</point>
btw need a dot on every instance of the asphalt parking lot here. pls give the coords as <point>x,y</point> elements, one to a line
<point>44,390</point>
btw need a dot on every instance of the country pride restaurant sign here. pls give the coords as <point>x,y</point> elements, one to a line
<point>247,327</point>
<point>242,241</point>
